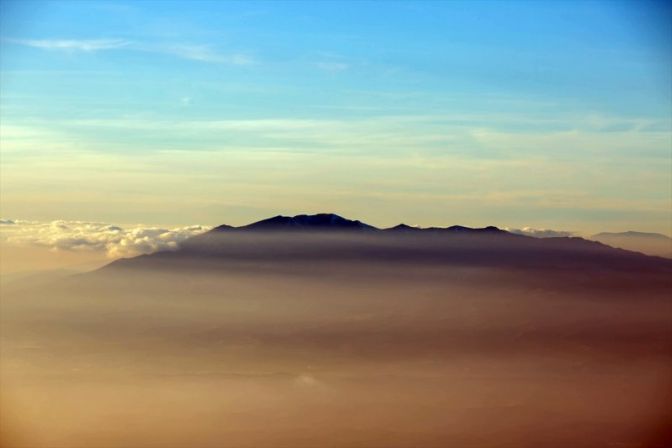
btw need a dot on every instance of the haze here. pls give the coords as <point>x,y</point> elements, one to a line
<point>253,340</point>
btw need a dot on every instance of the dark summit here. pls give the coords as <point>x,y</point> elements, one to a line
<point>334,222</point>
<point>321,221</point>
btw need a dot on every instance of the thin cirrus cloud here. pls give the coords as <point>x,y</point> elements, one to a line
<point>202,53</point>
<point>114,241</point>
<point>88,45</point>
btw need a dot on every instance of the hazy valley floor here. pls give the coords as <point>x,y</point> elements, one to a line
<point>342,357</point>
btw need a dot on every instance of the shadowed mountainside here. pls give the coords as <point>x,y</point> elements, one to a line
<point>331,238</point>
<point>326,243</point>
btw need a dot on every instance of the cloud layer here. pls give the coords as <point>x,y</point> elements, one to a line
<point>542,233</point>
<point>115,241</point>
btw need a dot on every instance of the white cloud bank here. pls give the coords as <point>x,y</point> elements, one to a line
<point>541,233</point>
<point>115,241</point>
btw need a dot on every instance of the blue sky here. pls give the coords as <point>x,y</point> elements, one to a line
<point>547,114</point>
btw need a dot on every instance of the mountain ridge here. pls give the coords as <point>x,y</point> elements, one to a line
<point>324,241</point>
<point>333,221</point>
<point>632,233</point>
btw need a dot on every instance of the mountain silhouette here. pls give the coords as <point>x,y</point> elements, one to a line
<point>648,243</point>
<point>327,243</point>
<point>321,221</point>
<point>404,228</point>
<point>334,222</point>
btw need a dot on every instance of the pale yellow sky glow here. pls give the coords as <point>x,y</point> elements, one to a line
<point>375,170</point>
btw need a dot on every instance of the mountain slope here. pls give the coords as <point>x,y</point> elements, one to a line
<point>327,243</point>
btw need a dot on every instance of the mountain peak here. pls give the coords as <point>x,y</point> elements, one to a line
<point>404,227</point>
<point>320,221</point>
<point>463,229</point>
<point>222,228</point>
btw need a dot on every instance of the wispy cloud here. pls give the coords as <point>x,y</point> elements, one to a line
<point>113,240</point>
<point>88,45</point>
<point>202,53</point>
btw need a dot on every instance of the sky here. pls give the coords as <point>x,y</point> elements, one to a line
<point>550,115</point>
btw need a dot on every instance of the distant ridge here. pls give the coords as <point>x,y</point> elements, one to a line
<point>451,229</point>
<point>648,243</point>
<point>404,228</point>
<point>334,222</point>
<point>631,233</point>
